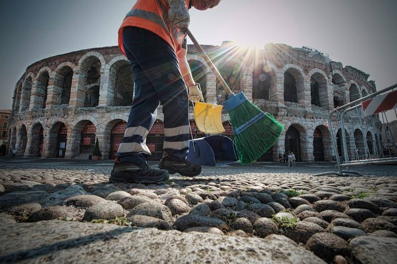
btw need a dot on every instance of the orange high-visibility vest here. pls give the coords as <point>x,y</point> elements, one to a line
<point>149,15</point>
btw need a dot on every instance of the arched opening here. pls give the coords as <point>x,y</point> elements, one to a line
<point>318,146</point>
<point>57,140</point>
<point>359,140</point>
<point>42,90</point>
<point>315,92</point>
<point>199,75</point>
<point>340,144</point>
<point>13,139</point>
<point>290,89</point>
<point>293,141</point>
<point>354,92</point>
<point>230,67</point>
<point>319,93</point>
<point>26,93</point>
<point>17,98</point>
<point>36,148</point>
<point>63,85</point>
<point>116,135</point>
<point>88,135</point>
<point>263,82</point>
<point>91,72</point>
<point>155,140</point>
<point>23,139</point>
<point>379,145</point>
<point>370,143</point>
<point>293,86</point>
<point>121,84</point>
<point>364,92</point>
<point>339,92</point>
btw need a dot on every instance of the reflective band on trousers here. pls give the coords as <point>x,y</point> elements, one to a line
<point>149,16</point>
<point>133,147</point>
<point>136,131</point>
<point>175,145</point>
<point>176,131</point>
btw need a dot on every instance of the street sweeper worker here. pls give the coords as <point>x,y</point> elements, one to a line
<point>153,38</point>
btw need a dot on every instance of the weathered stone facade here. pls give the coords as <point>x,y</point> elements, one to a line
<point>65,103</point>
<point>4,115</point>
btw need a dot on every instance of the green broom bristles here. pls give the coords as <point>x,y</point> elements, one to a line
<point>255,131</point>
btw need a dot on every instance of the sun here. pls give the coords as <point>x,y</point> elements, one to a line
<point>249,45</point>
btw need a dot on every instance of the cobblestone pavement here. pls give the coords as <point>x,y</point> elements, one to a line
<point>333,217</point>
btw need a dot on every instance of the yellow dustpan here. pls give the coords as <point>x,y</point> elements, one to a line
<point>208,118</point>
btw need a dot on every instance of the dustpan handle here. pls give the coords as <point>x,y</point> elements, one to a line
<point>210,63</point>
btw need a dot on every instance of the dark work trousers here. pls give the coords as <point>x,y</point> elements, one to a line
<point>157,80</point>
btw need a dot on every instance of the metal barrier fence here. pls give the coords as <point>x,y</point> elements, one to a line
<point>368,111</point>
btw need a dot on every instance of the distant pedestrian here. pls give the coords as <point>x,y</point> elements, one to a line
<point>13,152</point>
<point>291,159</point>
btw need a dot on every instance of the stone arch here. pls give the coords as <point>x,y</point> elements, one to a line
<point>121,83</point>
<point>339,90</point>
<point>41,89</point>
<point>22,139</point>
<point>13,138</point>
<point>90,70</point>
<point>359,141</point>
<point>370,143</point>
<point>354,92</point>
<point>294,88</point>
<point>17,97</point>
<point>379,145</point>
<point>295,141</point>
<point>322,144</point>
<point>230,65</point>
<point>199,72</point>
<point>89,54</point>
<point>364,92</point>
<point>114,133</point>
<point>319,88</point>
<point>37,141</point>
<point>155,139</point>
<point>340,144</point>
<point>26,93</point>
<point>63,83</point>
<point>57,139</point>
<point>264,81</point>
<point>83,139</point>
<point>201,60</point>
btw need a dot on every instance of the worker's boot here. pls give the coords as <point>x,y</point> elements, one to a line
<point>136,172</point>
<point>182,166</point>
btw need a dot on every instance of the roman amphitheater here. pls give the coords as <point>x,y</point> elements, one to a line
<point>64,104</point>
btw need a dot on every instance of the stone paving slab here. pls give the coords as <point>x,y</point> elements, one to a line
<point>74,242</point>
<point>265,202</point>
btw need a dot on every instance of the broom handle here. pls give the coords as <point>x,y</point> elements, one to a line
<point>210,63</point>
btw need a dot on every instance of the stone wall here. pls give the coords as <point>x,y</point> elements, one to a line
<point>54,91</point>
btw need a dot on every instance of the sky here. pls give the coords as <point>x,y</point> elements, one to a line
<point>360,33</point>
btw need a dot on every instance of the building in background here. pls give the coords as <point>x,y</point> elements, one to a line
<point>389,138</point>
<point>4,116</point>
<point>63,104</point>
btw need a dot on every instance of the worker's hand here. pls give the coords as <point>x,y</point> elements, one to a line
<point>195,94</point>
<point>178,15</point>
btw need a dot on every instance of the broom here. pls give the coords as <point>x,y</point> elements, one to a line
<point>255,131</point>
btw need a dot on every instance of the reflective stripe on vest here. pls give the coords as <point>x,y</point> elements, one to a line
<point>149,16</point>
